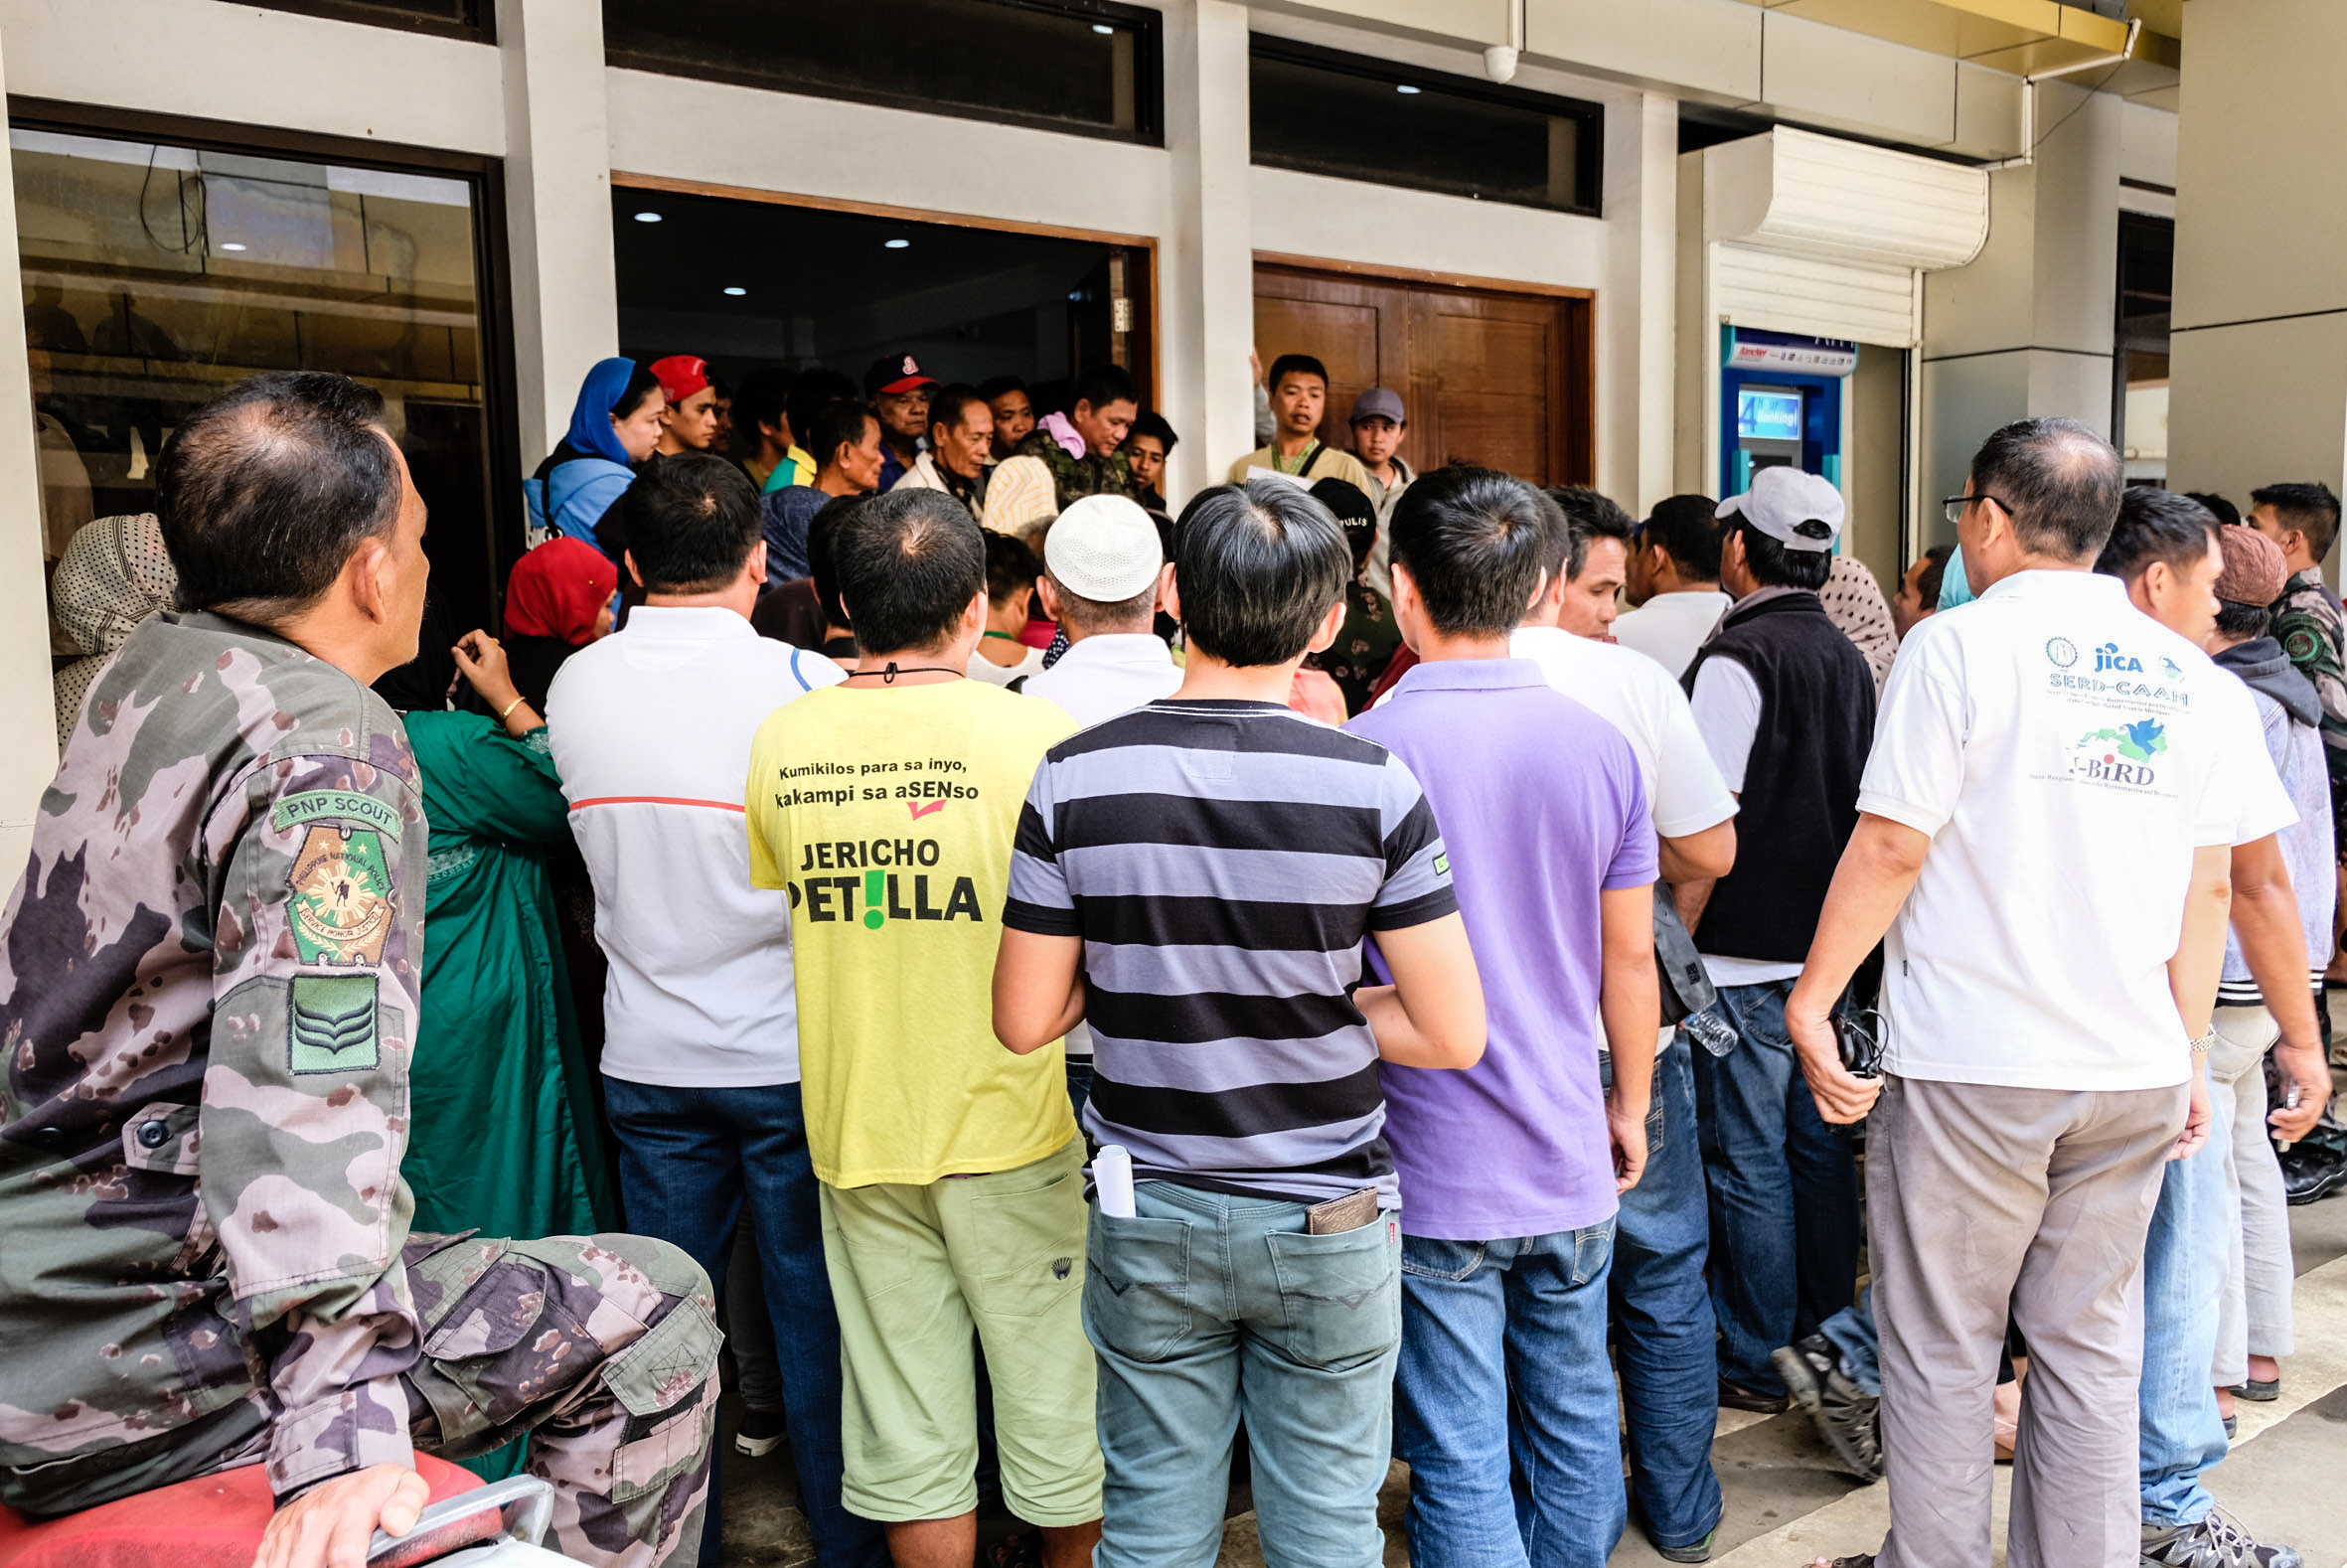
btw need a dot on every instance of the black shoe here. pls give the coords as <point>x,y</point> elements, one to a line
<point>1698,1552</point>
<point>2258,1390</point>
<point>760,1433</point>
<point>1732,1397</point>
<point>2312,1171</point>
<point>1847,1417</point>
<point>2213,1542</point>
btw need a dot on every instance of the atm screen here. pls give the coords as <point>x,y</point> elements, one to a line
<point>1768,413</point>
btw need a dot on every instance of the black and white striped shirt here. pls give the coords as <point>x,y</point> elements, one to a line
<point>1222,861</point>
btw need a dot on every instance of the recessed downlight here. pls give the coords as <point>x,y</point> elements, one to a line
<point>231,244</point>
<point>1405,88</point>
<point>896,245</point>
<point>647,217</point>
<point>736,290</point>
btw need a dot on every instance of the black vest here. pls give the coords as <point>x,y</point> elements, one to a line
<point>1799,802</point>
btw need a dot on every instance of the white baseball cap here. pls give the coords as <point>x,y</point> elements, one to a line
<point>1784,503</point>
<point>1104,548</point>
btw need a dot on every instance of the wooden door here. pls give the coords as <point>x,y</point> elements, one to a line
<point>1489,377</point>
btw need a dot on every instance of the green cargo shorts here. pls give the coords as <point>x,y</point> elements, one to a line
<point>914,1270</point>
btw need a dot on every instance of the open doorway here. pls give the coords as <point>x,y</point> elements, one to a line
<point>743,281</point>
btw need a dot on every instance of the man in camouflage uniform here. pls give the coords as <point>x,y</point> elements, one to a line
<point>209,983</point>
<point>1068,456</point>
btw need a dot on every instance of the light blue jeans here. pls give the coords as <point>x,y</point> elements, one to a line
<point>2185,1259</point>
<point>1505,1404</point>
<point>1206,1307</point>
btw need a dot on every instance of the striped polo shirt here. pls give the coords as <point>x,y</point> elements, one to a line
<point>1223,862</point>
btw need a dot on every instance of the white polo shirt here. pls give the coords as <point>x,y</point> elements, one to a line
<point>1103,676</point>
<point>2066,753</point>
<point>1638,696</point>
<point>651,730</point>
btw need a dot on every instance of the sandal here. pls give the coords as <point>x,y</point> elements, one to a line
<point>1025,1549</point>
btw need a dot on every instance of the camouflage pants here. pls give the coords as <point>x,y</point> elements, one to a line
<point>604,1349</point>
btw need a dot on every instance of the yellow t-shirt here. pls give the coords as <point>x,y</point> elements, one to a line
<point>889,817</point>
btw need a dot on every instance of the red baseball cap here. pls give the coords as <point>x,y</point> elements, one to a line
<point>894,373</point>
<point>681,376</point>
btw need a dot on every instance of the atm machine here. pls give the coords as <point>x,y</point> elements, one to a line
<point>1781,403</point>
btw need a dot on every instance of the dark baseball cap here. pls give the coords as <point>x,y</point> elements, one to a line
<point>1379,402</point>
<point>894,373</point>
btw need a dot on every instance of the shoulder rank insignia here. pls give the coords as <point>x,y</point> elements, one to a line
<point>332,1023</point>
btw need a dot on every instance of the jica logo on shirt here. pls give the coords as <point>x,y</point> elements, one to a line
<point>2107,657</point>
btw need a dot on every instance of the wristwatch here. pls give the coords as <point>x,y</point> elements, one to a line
<point>2200,1047</point>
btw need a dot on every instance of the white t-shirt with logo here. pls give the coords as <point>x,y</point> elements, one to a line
<point>2066,754</point>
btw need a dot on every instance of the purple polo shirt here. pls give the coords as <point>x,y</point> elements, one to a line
<point>1541,809</point>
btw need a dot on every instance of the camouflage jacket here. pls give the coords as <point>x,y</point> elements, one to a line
<point>208,981</point>
<point>2312,630</point>
<point>1076,477</point>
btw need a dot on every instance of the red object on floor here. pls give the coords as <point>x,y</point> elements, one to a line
<point>212,1521</point>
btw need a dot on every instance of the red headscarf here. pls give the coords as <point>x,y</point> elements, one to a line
<point>557,590</point>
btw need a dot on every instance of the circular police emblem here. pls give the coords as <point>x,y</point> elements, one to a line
<point>2062,651</point>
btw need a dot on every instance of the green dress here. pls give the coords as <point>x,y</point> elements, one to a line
<point>504,1138</point>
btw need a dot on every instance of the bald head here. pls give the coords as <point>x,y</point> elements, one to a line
<point>267,492</point>
<point>2058,480</point>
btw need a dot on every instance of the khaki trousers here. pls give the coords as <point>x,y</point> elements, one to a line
<point>1979,1196</point>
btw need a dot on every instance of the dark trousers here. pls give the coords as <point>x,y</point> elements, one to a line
<point>1664,1335</point>
<point>689,1160</point>
<point>1783,1189</point>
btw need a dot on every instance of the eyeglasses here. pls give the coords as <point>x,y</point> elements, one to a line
<point>1953,507</point>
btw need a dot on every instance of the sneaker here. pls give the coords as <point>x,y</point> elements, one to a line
<point>2312,1171</point>
<point>1696,1552</point>
<point>1846,1415</point>
<point>760,1433</point>
<point>2213,1542</point>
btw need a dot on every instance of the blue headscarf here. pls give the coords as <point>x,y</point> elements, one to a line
<point>591,418</point>
<point>1955,588</point>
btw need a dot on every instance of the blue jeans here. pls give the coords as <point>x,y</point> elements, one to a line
<point>1206,1307</point>
<point>1664,1333</point>
<point>689,1160</point>
<point>1079,1084</point>
<point>1852,1333</point>
<point>1504,1403</point>
<point>2184,1262</point>
<point>1785,1229</point>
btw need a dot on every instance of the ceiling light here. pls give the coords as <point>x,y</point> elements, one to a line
<point>736,292</point>
<point>231,244</point>
<point>647,217</point>
<point>896,245</point>
<point>1102,27</point>
<point>1404,87</point>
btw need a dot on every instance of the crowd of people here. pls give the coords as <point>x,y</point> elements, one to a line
<point>1089,994</point>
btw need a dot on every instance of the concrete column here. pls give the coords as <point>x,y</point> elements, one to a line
<point>1205,263</point>
<point>28,713</point>
<point>1637,323</point>
<point>558,165</point>
<point>2028,327</point>
<point>2258,351</point>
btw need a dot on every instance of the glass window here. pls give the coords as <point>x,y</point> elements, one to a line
<point>1362,119</point>
<point>156,274</point>
<point>1090,68</point>
<point>452,18</point>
